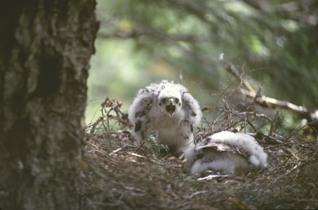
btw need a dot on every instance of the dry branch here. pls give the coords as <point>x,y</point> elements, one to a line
<point>269,102</point>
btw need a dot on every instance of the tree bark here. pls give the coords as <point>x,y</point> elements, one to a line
<point>44,59</point>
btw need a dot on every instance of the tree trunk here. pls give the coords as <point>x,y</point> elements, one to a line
<point>44,59</point>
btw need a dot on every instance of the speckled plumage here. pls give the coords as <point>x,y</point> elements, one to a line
<point>169,110</point>
<point>226,151</point>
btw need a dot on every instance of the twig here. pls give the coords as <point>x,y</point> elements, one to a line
<point>196,194</point>
<point>94,125</point>
<point>115,151</point>
<point>236,73</point>
<point>211,176</point>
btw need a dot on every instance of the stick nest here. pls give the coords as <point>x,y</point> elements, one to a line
<point>118,175</point>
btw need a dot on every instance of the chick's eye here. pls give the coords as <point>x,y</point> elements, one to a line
<point>163,100</point>
<point>176,100</point>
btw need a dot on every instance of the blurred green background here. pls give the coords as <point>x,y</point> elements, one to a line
<point>274,42</point>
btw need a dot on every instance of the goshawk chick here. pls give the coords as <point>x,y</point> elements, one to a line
<point>231,153</point>
<point>169,110</point>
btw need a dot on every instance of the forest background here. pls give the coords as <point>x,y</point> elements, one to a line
<point>272,43</point>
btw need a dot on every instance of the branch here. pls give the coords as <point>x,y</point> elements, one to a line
<point>260,5</point>
<point>236,73</point>
<point>269,102</point>
<point>151,33</point>
<point>275,103</point>
<point>121,35</point>
<point>291,10</point>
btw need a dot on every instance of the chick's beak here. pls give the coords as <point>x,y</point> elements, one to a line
<point>170,108</point>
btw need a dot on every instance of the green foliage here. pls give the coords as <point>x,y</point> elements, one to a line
<point>142,41</point>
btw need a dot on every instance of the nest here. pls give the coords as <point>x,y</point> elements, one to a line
<point>117,175</point>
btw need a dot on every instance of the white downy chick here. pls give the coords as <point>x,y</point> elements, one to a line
<point>169,110</point>
<point>231,153</point>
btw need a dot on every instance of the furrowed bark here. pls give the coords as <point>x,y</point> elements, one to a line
<point>44,60</point>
